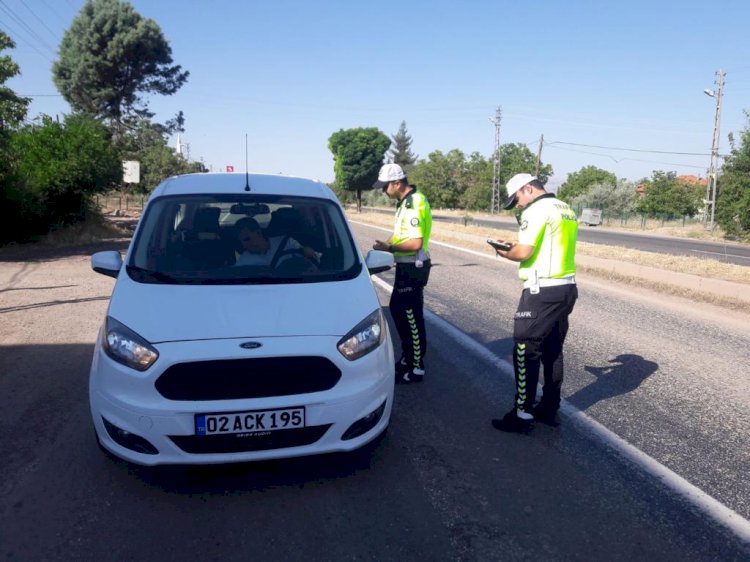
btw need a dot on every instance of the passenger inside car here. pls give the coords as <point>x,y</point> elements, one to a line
<point>259,249</point>
<point>201,247</point>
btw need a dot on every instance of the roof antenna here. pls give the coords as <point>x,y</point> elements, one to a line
<point>247,174</point>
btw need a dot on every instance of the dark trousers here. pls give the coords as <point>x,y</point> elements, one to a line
<point>539,330</point>
<point>407,310</point>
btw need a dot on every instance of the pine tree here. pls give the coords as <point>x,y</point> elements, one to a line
<point>401,153</point>
<point>110,59</point>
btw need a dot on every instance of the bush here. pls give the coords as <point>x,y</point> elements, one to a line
<point>56,167</point>
<point>733,198</point>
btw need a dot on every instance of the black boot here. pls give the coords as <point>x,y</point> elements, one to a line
<point>511,423</point>
<point>410,375</point>
<point>545,414</point>
<point>401,367</point>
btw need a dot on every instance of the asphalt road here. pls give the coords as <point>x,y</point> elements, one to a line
<point>442,484</point>
<point>725,252</point>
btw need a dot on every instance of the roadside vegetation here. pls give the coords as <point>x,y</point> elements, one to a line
<point>111,60</point>
<point>472,236</point>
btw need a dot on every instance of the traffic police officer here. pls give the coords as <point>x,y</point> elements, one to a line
<point>409,244</point>
<point>546,254</point>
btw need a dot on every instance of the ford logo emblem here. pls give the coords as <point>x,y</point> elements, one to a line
<point>250,345</point>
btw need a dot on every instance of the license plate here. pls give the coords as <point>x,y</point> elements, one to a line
<point>258,421</point>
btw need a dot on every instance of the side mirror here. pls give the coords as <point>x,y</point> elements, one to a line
<point>107,263</point>
<point>378,261</point>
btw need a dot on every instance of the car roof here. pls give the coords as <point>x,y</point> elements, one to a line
<point>234,183</point>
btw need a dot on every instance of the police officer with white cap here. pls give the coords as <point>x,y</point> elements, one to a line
<point>409,244</point>
<point>545,253</point>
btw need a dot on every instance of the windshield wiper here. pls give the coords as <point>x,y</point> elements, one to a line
<point>155,275</point>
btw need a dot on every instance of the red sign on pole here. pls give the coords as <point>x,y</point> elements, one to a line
<point>230,168</point>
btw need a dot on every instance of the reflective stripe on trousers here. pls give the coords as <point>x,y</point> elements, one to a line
<point>539,330</point>
<point>407,310</point>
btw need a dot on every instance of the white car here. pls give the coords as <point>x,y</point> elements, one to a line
<point>203,359</point>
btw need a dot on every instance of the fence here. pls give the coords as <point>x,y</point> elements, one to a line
<point>644,221</point>
<point>117,201</point>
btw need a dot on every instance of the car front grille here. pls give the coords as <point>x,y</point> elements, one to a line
<point>280,439</point>
<point>247,378</point>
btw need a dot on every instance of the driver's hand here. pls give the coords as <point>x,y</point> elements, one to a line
<point>309,253</point>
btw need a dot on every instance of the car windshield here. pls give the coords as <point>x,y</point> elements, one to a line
<point>236,239</point>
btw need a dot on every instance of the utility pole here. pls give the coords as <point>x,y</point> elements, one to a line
<point>713,170</point>
<point>495,206</point>
<point>539,155</point>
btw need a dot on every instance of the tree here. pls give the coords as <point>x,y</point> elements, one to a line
<point>478,181</point>
<point>12,113</point>
<point>401,153</point>
<point>58,166</point>
<point>176,124</point>
<point>517,159</point>
<point>147,143</point>
<point>441,178</point>
<point>665,194</point>
<point>109,57</point>
<point>451,181</point>
<point>615,199</point>
<point>733,198</point>
<point>358,155</point>
<point>12,107</point>
<point>578,183</point>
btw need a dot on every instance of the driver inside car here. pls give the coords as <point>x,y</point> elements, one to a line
<point>258,249</point>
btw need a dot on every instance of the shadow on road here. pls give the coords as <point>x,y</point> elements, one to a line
<point>256,476</point>
<point>55,418</point>
<point>51,303</point>
<point>623,374</point>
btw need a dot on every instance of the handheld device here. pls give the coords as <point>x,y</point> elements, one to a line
<point>504,246</point>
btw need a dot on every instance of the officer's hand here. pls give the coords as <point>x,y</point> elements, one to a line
<point>380,245</point>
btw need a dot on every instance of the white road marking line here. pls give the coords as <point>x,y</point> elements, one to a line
<point>721,255</point>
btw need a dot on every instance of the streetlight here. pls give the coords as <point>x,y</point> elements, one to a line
<point>713,169</point>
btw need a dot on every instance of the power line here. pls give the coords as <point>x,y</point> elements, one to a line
<point>51,9</point>
<point>18,37</point>
<point>630,159</point>
<point>52,33</point>
<point>26,27</point>
<point>633,149</point>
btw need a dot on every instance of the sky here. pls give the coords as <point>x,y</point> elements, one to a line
<point>619,85</point>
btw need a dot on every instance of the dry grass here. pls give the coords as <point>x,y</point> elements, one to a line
<point>652,226</point>
<point>702,267</point>
<point>472,237</point>
<point>669,289</point>
<point>94,229</point>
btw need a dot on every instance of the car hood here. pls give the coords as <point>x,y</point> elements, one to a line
<point>162,313</point>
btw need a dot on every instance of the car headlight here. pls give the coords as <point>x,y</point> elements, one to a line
<point>363,338</point>
<point>125,346</point>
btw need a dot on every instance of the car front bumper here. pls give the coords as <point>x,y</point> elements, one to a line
<point>126,406</point>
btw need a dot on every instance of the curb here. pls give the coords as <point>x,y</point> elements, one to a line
<point>719,287</point>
